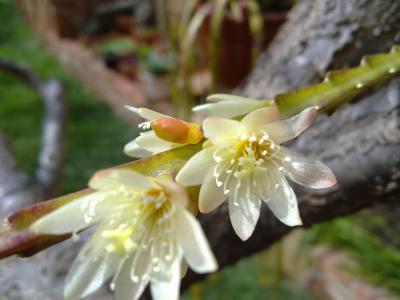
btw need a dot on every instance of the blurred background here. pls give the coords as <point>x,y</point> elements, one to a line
<point>166,55</point>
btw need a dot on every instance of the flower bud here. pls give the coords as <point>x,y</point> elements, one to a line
<point>177,131</point>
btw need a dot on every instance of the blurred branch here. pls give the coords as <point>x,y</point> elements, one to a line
<point>360,142</point>
<point>17,189</point>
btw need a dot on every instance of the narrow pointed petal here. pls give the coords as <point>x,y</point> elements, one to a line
<point>229,97</point>
<point>210,196</point>
<point>244,216</point>
<point>218,130</point>
<point>152,143</point>
<point>167,290</point>
<point>307,172</point>
<point>126,288</point>
<point>285,130</point>
<point>71,217</point>
<point>196,168</point>
<point>281,199</point>
<point>254,120</point>
<point>227,109</point>
<point>175,191</point>
<point>87,274</point>
<point>146,113</point>
<point>113,179</point>
<point>193,242</point>
<point>132,149</point>
<point>133,179</point>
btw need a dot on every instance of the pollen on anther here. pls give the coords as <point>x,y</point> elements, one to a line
<point>287,158</point>
<point>359,85</point>
<point>277,185</point>
<point>392,70</point>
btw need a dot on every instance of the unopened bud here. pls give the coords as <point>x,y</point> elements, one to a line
<point>177,131</point>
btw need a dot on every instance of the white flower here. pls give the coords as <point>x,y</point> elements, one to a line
<point>245,163</point>
<point>167,133</point>
<point>229,106</point>
<point>143,232</point>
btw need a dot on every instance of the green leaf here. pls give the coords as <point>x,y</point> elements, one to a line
<point>15,236</point>
<point>341,86</point>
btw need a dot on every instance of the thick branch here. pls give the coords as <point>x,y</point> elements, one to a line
<point>361,142</point>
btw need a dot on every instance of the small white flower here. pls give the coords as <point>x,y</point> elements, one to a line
<point>228,106</point>
<point>143,232</point>
<point>245,163</point>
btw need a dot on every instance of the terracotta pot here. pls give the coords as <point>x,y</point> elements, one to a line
<point>236,44</point>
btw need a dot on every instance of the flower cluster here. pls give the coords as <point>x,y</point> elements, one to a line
<point>145,234</point>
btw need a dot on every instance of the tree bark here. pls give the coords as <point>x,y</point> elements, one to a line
<point>360,142</point>
<point>18,189</point>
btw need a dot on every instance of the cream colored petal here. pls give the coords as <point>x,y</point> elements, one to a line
<point>244,214</point>
<point>196,168</point>
<point>254,120</point>
<point>132,149</point>
<point>307,172</point>
<point>219,130</point>
<point>109,180</point>
<point>193,242</point>
<point>227,109</point>
<point>128,287</point>
<point>152,143</point>
<point>228,97</point>
<point>72,217</point>
<point>281,199</point>
<point>132,179</point>
<point>184,267</point>
<point>146,113</point>
<point>175,191</point>
<point>87,274</point>
<point>210,196</point>
<point>167,290</point>
<point>285,130</point>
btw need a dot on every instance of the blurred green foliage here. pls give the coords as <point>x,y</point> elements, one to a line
<point>94,140</point>
<point>95,137</point>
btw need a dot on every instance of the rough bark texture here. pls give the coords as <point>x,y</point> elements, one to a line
<point>360,142</point>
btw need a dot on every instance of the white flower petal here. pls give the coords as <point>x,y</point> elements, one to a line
<point>108,179</point>
<point>146,113</point>
<point>254,120</point>
<point>175,191</point>
<point>132,149</point>
<point>132,179</point>
<point>88,273</point>
<point>184,267</point>
<point>285,130</point>
<point>244,213</point>
<point>168,290</point>
<point>196,168</point>
<point>210,196</point>
<point>218,130</point>
<point>227,109</point>
<point>307,172</point>
<point>281,199</point>
<point>193,242</point>
<point>152,143</point>
<point>229,97</point>
<point>128,287</point>
<point>71,216</point>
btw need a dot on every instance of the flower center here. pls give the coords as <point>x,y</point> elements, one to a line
<point>239,161</point>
